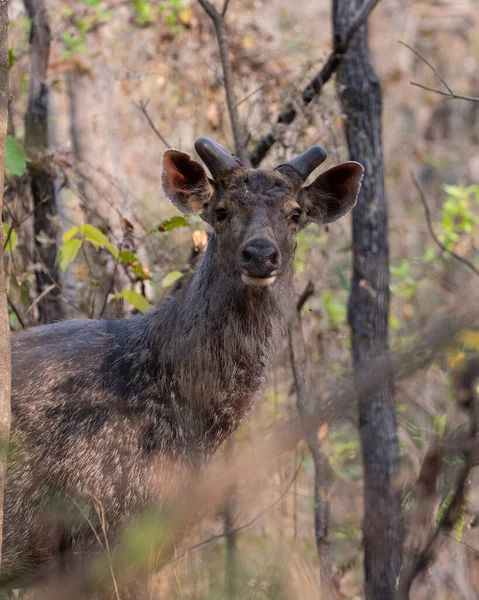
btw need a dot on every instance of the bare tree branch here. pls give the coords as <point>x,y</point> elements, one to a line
<point>458,96</point>
<point>449,93</point>
<point>305,296</point>
<point>222,38</point>
<point>437,241</point>
<point>142,107</point>
<point>419,55</point>
<point>314,87</point>
<point>113,278</point>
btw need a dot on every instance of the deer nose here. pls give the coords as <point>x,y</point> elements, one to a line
<point>260,258</point>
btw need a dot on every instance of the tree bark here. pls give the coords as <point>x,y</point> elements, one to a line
<point>50,307</point>
<point>368,309</point>
<point>5,371</point>
<point>103,193</point>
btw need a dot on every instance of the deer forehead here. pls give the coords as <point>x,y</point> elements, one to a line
<point>253,188</point>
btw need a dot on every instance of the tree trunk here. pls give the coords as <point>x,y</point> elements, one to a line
<point>104,197</point>
<point>369,308</point>
<point>4,323</point>
<point>50,307</point>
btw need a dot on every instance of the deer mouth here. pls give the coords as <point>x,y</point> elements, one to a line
<point>258,281</point>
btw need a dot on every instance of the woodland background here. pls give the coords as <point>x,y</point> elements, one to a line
<point>126,80</point>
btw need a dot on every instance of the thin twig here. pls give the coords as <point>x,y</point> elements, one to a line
<point>315,86</point>
<point>449,93</point>
<point>228,77</point>
<point>425,61</point>
<point>255,91</point>
<point>142,107</point>
<point>101,514</point>
<point>112,280</point>
<point>437,241</point>
<point>17,314</point>
<point>245,525</point>
<point>40,297</point>
<point>60,291</point>
<point>15,225</point>
<point>104,546</point>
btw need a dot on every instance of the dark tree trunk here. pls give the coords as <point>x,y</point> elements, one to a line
<point>50,306</point>
<point>5,371</point>
<point>368,309</point>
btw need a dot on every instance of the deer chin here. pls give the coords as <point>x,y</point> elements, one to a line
<point>258,281</point>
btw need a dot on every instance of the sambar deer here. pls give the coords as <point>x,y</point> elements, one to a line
<point>101,408</point>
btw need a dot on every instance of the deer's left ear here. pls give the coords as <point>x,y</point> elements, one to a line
<point>333,193</point>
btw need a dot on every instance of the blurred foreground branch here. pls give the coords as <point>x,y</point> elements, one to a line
<point>315,86</point>
<point>201,494</point>
<point>236,530</point>
<point>422,543</point>
<point>307,404</point>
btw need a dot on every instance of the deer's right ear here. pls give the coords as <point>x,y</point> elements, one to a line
<point>185,183</point>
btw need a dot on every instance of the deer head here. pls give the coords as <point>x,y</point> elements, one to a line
<point>256,214</point>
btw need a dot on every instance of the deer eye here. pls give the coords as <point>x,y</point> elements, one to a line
<point>296,214</point>
<point>221,214</point>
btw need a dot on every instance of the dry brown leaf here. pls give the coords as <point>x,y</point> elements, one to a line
<point>213,116</point>
<point>323,432</point>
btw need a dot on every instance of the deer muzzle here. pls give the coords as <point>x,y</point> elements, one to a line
<point>259,262</point>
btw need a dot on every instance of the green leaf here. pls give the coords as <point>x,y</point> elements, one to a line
<point>456,191</point>
<point>439,425</point>
<point>69,234</point>
<point>170,279</point>
<point>143,9</point>
<point>11,57</point>
<point>14,157</point>
<point>137,300</point>
<point>460,525</point>
<point>173,223</point>
<point>73,44</point>
<point>335,310</point>
<point>12,238</point>
<point>98,239</point>
<point>394,322</point>
<point>68,252</point>
<point>127,257</point>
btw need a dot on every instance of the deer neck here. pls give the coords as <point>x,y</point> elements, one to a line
<point>216,338</point>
